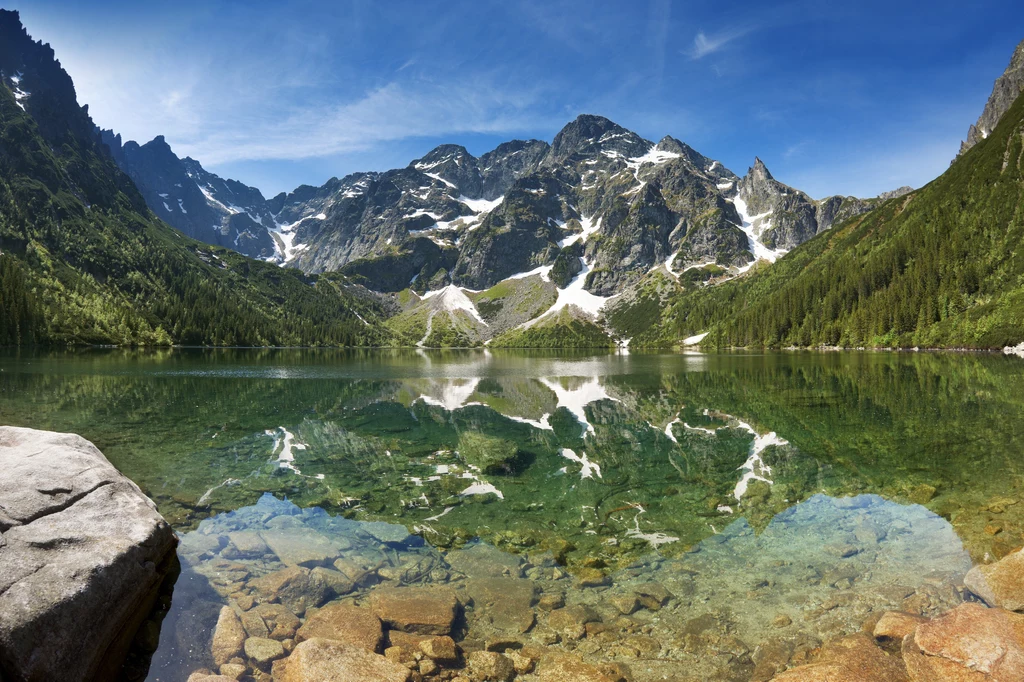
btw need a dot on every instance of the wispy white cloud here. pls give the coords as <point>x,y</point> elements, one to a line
<point>704,44</point>
<point>395,111</point>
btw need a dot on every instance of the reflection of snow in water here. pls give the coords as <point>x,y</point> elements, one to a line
<point>754,469</point>
<point>588,468</point>
<point>576,399</point>
<point>229,483</point>
<point>285,440</point>
<point>451,394</point>
<point>542,424</point>
<point>653,539</point>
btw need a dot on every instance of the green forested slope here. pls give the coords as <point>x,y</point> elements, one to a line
<point>941,267</point>
<point>84,261</point>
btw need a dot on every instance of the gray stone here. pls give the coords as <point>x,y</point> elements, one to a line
<point>83,554</point>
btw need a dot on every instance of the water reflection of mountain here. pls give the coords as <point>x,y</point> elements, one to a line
<point>668,435</point>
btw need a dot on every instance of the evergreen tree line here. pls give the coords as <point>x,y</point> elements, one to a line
<point>941,267</point>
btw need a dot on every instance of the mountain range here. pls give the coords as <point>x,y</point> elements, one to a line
<point>84,260</point>
<point>598,238</point>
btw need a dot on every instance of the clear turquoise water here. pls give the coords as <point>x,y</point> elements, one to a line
<point>632,463</point>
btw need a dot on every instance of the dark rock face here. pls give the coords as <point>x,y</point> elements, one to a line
<point>791,216</point>
<point>1005,90</point>
<point>194,201</point>
<point>630,244</point>
<point>519,235</point>
<point>508,162</point>
<point>82,554</point>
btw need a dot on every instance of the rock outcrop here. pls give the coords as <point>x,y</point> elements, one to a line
<point>82,554</point>
<point>1000,584</point>
<point>1005,90</point>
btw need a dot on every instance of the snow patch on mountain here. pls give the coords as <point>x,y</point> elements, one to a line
<point>754,226</point>
<point>589,227</point>
<point>452,298</point>
<point>440,179</point>
<point>480,205</point>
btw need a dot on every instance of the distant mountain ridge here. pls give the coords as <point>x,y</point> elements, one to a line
<point>84,260</point>
<point>625,203</point>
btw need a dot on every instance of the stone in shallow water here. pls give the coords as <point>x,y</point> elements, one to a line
<point>571,621</point>
<point>245,544</point>
<point>969,643</point>
<point>441,649</point>
<point>336,582</point>
<point>389,533</point>
<point>488,666</point>
<point>895,625</point>
<point>262,652</point>
<point>505,603</point>
<point>569,668</point>
<point>209,677</point>
<point>1000,584</point>
<point>419,610</point>
<point>852,659</point>
<point>291,586</point>
<point>319,660</point>
<point>228,637</point>
<point>302,546</point>
<point>344,623</point>
<point>485,561</point>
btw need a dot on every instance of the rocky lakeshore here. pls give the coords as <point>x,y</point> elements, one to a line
<point>83,554</point>
<point>275,592</point>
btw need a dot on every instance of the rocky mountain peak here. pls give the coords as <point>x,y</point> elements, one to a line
<point>1005,90</point>
<point>759,171</point>
<point>589,135</point>
<point>443,153</point>
<point>671,144</point>
<point>894,193</point>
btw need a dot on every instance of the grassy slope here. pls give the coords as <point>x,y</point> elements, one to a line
<point>84,261</point>
<point>564,329</point>
<point>941,267</point>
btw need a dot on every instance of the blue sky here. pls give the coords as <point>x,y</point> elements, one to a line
<point>836,98</point>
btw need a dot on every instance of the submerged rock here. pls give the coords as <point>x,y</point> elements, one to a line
<point>228,637</point>
<point>853,659</point>
<point>895,625</point>
<point>419,610</point>
<point>316,660</point>
<point>82,554</point>
<point>344,623</point>
<point>1000,584</point>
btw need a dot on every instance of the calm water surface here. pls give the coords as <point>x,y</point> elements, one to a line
<point>755,488</point>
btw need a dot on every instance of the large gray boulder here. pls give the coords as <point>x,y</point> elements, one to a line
<point>82,555</point>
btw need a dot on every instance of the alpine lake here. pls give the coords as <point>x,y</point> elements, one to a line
<point>677,516</point>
